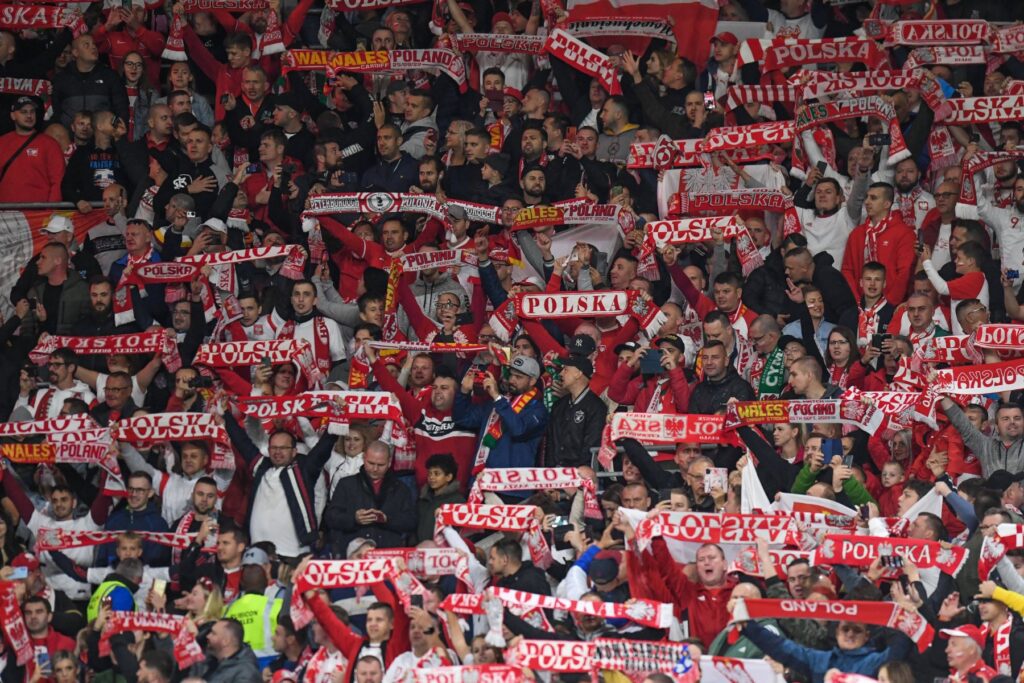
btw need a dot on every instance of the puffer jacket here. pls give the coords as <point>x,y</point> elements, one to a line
<point>710,396</point>
<point>98,90</point>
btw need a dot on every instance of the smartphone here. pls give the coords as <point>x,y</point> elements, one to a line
<point>831,447</point>
<point>822,166</point>
<point>975,138</point>
<point>495,101</point>
<point>848,460</point>
<point>709,101</point>
<point>650,362</point>
<point>19,574</point>
<point>378,516</point>
<point>715,478</point>
<point>32,303</point>
<point>159,586</point>
<point>880,140</point>
<point>224,98</point>
<point>864,511</point>
<point>190,214</point>
<point>1013,274</point>
<point>265,361</point>
<point>108,602</point>
<point>416,601</point>
<point>43,660</point>
<point>570,134</point>
<point>877,339</point>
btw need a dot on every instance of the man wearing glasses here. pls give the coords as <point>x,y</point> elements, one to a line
<point>47,402</point>
<point>138,512</point>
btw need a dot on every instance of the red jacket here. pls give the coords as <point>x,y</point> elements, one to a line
<point>118,44</point>
<point>36,173</point>
<point>226,79</point>
<point>52,643</point>
<point>635,391</point>
<point>896,251</point>
<point>662,578</point>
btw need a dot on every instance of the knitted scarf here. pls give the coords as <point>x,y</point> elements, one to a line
<point>493,429</point>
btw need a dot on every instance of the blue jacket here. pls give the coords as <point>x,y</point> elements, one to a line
<point>864,660</point>
<point>149,519</point>
<point>520,432</point>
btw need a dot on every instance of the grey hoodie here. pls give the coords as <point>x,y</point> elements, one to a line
<point>427,293</point>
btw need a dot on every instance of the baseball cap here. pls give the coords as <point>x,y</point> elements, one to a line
<point>726,37</point>
<point>605,566</point>
<point>290,100</point>
<point>509,91</point>
<point>581,363</point>
<point>357,544</point>
<point>255,555</point>
<point>626,346</point>
<point>215,224</point>
<point>581,345</point>
<point>526,366</point>
<point>23,101</point>
<point>971,631</point>
<point>457,212</point>
<point>27,560</point>
<point>397,85</point>
<point>59,224</point>
<point>499,162</point>
<point>1000,480</point>
<point>786,339</point>
<point>672,339</point>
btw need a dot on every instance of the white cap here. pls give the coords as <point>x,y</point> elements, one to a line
<point>215,224</point>
<point>58,224</point>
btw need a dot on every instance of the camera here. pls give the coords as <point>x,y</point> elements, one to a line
<point>200,382</point>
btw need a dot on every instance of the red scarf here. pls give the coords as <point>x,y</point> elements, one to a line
<point>321,342</point>
<point>868,322</point>
<point>871,238</point>
<point>124,312</point>
<point>908,205</point>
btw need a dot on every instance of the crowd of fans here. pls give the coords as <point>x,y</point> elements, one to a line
<point>841,295</point>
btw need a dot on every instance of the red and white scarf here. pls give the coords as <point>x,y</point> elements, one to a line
<point>719,203</point>
<point>810,117</point>
<point>640,611</point>
<point>321,350</point>
<point>35,17</point>
<point>146,430</point>
<point>328,574</point>
<point>959,55</point>
<point>160,341</point>
<point>567,212</point>
<point>504,43</point>
<point>377,203</point>
<point>354,405</point>
<point>861,551</point>
<point>975,380</point>
<point>426,563</point>
<point>515,518</point>
<point>124,311</point>
<point>174,49</point>
<point>271,41</point>
<point>693,230</point>
<point>667,153</point>
<point>911,624</point>
<point>999,337</point>
<point>639,656</point>
<point>15,632</point>
<point>816,84</point>
<point>597,304</point>
<point>985,110</point>
<point>814,411</point>
<point>535,479</point>
<point>250,353</point>
<point>967,202</point>
<point>468,673</point>
<point>584,58</point>
<point>659,429</point>
<point>782,53</point>
<point>739,95</point>
<point>61,539</point>
<point>186,650</point>
<point>442,258</point>
<point>868,322</point>
<point>923,32</point>
<point>25,86</point>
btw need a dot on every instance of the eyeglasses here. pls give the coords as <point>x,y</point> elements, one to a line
<point>757,340</point>
<point>487,337</point>
<point>837,342</point>
<point>446,304</point>
<point>137,65</point>
<point>55,364</point>
<point>136,489</point>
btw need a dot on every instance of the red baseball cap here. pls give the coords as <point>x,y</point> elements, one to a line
<point>726,37</point>
<point>500,16</point>
<point>976,633</point>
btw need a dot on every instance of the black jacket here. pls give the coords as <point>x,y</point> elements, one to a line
<point>90,170</point>
<point>840,302</point>
<point>98,90</point>
<point>573,429</point>
<point>356,492</point>
<point>710,396</point>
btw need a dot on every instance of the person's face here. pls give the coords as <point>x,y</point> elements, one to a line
<point>727,297</point>
<point>532,143</point>
<point>25,118</point>
<point>62,503</point>
<point>428,177</point>
<point>907,175</point>
<point>826,197</point>
<point>710,566</point>
<point>303,298</point>
<point>128,549</point>
<point>961,652</point>
<point>369,671</point>
<point>354,442</point>
<point>534,183</point>
<point>1014,495</point>
<point>798,579</point>
<point>724,51</point>
<point>799,379</point>
<point>621,272</point>
<point>198,145</point>
<point>892,474</point>
<point>383,39</point>
<point>84,50</point>
<point>270,151</point>
<point>181,317</point>
<point>99,297</point>
<point>139,493</point>
<point>373,312</point>
<point>839,348</point>
<point>907,500</point>
<point>519,383</point>
<point>58,371</point>
<point>693,103</point>
<point>872,283</point>
<point>877,204</point>
<point>799,268</point>
<point>962,264</point>
<point>133,67</point>
<point>447,308</point>
<point>229,549</point>
<point>496,563</point>
<point>416,108</point>
<point>49,260</point>
<point>204,498</point>
<point>281,450</point>
<point>250,310</point>
<point>1010,423</point>
<point>945,198</point>
<point>783,434</point>
<point>193,460</point>
<point>64,671</point>
<point>422,371</point>
<point>378,625</point>
<point>494,82</point>
<point>636,498</point>
<point>238,57</point>
<point>37,618</point>
<point>81,128</point>
<point>180,76</point>
<point>376,463</point>
<point>815,304</point>
<point>442,398</point>
<point>586,140</point>
<point>850,636</point>
<point>392,235</point>
<point>388,142</point>
<point>477,147</point>
<point>920,311</point>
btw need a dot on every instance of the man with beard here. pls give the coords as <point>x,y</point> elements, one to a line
<point>299,140</point>
<point>434,429</point>
<point>912,201</point>
<point>533,183</point>
<point>1006,224</point>
<point>46,403</point>
<point>822,220</point>
<point>99,319</point>
<point>431,175</point>
<point>466,181</point>
<point>201,516</point>
<point>665,111</point>
<point>563,170</point>
<point>36,163</point>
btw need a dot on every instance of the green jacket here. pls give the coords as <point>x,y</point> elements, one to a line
<point>743,648</point>
<point>74,305</point>
<point>258,616</point>
<point>853,489</point>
